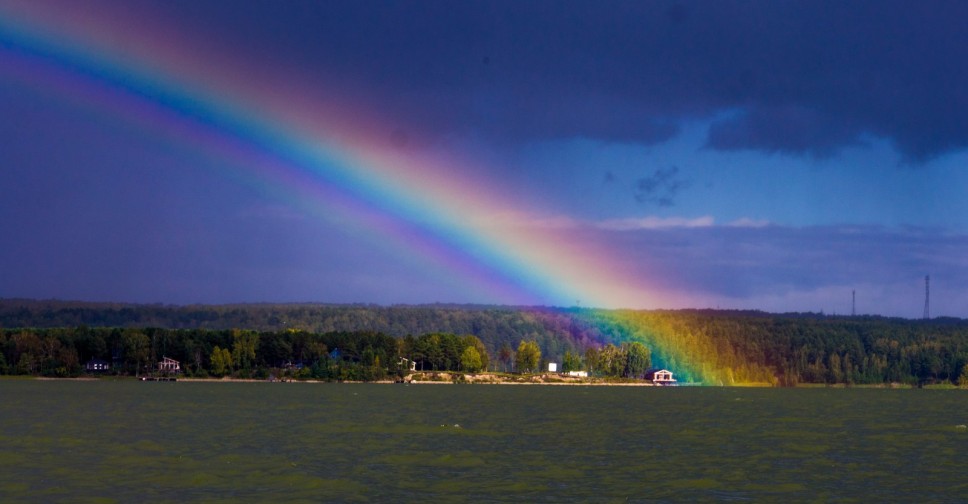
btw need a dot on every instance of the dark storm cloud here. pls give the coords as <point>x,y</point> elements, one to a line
<point>788,130</point>
<point>805,77</point>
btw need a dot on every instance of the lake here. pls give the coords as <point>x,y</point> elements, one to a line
<point>128,441</point>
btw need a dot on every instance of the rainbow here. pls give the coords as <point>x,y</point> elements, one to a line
<point>321,156</point>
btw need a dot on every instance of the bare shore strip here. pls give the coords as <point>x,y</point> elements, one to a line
<point>514,379</point>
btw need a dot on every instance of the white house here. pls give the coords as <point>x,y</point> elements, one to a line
<point>169,366</point>
<point>578,374</point>
<point>405,362</point>
<point>660,377</point>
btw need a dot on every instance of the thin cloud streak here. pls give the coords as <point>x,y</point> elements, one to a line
<point>644,223</point>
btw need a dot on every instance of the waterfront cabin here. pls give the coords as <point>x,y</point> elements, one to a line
<point>578,374</point>
<point>660,377</point>
<point>169,366</point>
<point>97,366</point>
<point>407,364</point>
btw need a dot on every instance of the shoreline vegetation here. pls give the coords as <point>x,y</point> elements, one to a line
<point>368,343</point>
<point>418,378</point>
<point>446,378</point>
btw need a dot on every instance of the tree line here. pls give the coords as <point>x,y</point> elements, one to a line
<point>360,355</point>
<point>698,345</point>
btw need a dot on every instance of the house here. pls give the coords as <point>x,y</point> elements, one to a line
<point>578,374</point>
<point>660,376</point>
<point>96,366</point>
<point>169,366</point>
<point>407,363</point>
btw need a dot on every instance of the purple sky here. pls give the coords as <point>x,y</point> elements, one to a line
<point>767,155</point>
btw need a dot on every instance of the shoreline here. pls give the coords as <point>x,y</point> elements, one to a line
<point>430,378</point>
<point>442,378</point>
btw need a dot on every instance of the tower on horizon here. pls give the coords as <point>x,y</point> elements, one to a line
<point>927,297</point>
<point>853,303</point>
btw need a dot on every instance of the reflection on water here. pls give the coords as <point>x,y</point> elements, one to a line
<point>128,441</point>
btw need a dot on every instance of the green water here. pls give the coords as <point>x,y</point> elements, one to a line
<point>130,441</point>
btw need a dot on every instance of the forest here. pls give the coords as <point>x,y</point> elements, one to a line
<point>334,356</point>
<point>367,342</point>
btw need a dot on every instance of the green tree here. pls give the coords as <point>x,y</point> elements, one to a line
<point>244,345</point>
<point>26,364</point>
<point>570,362</point>
<point>637,360</point>
<point>592,359</point>
<point>835,369</point>
<point>314,350</point>
<point>451,347</point>
<point>430,347</point>
<point>473,341</point>
<point>408,347</point>
<point>51,347</point>
<point>136,348</point>
<point>528,356</point>
<point>470,360</point>
<point>221,361</point>
<point>69,360</point>
<point>963,376</point>
<point>27,352</point>
<point>275,349</point>
<point>611,360</point>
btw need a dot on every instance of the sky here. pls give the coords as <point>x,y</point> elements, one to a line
<point>773,155</point>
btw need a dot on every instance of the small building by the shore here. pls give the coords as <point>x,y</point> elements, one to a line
<point>577,374</point>
<point>407,364</point>
<point>168,365</point>
<point>552,367</point>
<point>660,376</point>
<point>97,366</point>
